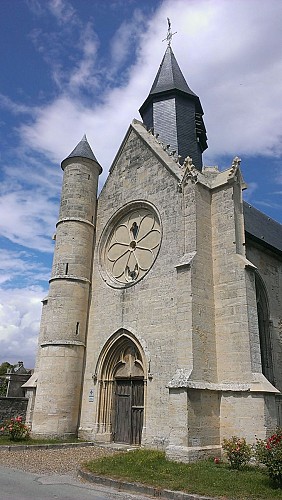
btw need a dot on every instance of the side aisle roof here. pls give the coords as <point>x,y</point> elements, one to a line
<point>262,228</point>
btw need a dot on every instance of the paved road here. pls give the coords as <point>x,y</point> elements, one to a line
<point>20,485</point>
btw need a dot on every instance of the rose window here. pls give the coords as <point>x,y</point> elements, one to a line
<point>133,246</point>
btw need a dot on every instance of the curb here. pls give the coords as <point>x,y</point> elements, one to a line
<point>139,488</point>
<point>21,447</point>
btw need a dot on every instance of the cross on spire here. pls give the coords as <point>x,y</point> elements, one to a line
<point>169,35</point>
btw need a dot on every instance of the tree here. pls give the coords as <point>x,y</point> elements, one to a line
<point>3,382</point>
<point>4,367</point>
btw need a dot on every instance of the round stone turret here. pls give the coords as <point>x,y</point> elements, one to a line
<point>66,312</point>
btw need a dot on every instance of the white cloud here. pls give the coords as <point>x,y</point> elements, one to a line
<point>20,311</point>
<point>83,75</point>
<point>13,107</point>
<point>278,178</point>
<point>125,39</point>
<point>29,201</point>
<point>68,47</point>
<point>233,63</point>
<point>252,188</point>
<point>31,219</point>
<point>21,266</point>
<point>230,55</point>
<point>36,7</point>
<point>62,11</point>
<point>269,204</point>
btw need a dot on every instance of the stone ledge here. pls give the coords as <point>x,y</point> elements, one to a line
<point>245,262</point>
<point>138,487</point>
<point>261,384</point>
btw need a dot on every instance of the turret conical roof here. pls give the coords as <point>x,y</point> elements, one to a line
<point>83,149</point>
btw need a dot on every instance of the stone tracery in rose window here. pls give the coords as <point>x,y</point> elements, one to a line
<point>133,246</point>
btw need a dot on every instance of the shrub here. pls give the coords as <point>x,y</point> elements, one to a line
<point>238,452</point>
<point>16,429</point>
<point>269,453</point>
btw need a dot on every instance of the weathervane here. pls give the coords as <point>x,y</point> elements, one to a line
<point>169,34</point>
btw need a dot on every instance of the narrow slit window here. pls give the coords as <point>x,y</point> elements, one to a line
<point>77,328</point>
<point>67,268</point>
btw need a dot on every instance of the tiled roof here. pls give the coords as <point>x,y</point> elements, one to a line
<point>262,228</point>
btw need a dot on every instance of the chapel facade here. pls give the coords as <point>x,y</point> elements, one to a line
<point>163,322</point>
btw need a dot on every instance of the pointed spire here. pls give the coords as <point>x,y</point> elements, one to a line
<point>174,111</point>
<point>83,149</point>
<point>170,76</point>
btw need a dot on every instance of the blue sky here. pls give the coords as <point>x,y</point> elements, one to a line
<point>70,67</point>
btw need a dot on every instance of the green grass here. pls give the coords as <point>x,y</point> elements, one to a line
<point>5,440</point>
<point>203,478</point>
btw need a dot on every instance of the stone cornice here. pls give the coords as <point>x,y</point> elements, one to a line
<point>186,260</point>
<point>69,277</point>
<point>63,342</point>
<point>75,219</point>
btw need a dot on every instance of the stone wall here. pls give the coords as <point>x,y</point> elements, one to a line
<point>12,407</point>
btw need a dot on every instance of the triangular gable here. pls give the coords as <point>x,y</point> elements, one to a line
<point>171,163</point>
<point>156,147</point>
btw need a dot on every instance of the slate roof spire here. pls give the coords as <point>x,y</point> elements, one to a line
<point>170,76</point>
<point>174,111</point>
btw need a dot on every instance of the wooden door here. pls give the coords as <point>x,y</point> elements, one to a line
<point>128,411</point>
<point>122,431</point>
<point>137,411</point>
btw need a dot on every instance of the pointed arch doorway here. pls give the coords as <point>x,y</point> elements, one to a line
<point>121,401</point>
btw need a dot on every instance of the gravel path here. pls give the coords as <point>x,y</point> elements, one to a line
<point>54,461</point>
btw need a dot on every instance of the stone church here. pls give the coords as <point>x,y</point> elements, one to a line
<point>163,322</point>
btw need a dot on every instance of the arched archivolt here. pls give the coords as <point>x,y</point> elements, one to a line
<point>264,328</point>
<point>120,374</point>
<point>116,352</point>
